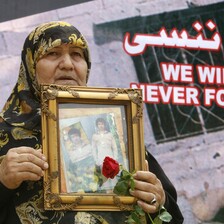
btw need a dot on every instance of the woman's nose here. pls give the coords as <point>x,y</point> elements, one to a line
<point>66,62</point>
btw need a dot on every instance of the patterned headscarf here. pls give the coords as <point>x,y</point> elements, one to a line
<point>23,106</point>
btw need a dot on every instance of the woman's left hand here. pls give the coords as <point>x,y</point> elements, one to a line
<point>148,190</point>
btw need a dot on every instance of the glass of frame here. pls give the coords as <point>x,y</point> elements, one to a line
<point>80,127</point>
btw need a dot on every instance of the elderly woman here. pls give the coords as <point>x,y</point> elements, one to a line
<point>56,53</point>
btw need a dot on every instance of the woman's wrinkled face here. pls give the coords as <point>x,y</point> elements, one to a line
<point>62,65</point>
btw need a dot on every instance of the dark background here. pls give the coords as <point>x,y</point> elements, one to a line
<point>13,9</point>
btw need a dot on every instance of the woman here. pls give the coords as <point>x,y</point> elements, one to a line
<point>57,53</point>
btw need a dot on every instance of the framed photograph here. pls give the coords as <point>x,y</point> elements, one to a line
<point>80,127</point>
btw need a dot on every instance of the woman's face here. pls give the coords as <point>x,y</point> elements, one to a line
<point>63,65</point>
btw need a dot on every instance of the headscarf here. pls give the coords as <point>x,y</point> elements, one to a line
<point>23,106</point>
<point>20,124</point>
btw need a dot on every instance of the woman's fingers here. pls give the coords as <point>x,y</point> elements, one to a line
<point>149,191</point>
<point>22,163</point>
<point>32,158</point>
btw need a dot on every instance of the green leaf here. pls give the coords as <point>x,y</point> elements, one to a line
<point>139,210</point>
<point>165,216</point>
<point>135,217</point>
<point>132,184</point>
<point>157,220</point>
<point>125,175</point>
<point>130,220</point>
<point>121,188</point>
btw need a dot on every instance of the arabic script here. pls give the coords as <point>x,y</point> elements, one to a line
<point>174,39</point>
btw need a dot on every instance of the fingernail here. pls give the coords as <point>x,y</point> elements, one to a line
<point>139,203</point>
<point>46,165</point>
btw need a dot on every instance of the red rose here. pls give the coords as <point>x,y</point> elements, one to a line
<point>110,167</point>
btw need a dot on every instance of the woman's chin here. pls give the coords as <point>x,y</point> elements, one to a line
<point>67,82</point>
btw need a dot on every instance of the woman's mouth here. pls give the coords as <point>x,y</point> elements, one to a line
<point>66,80</point>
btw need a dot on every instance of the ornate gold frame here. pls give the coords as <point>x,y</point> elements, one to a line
<point>52,96</point>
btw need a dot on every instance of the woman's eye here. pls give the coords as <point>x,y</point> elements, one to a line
<point>52,53</point>
<point>76,54</point>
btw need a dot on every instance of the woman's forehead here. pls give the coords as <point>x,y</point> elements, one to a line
<point>68,46</point>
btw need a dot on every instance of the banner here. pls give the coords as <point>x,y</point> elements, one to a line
<point>174,52</point>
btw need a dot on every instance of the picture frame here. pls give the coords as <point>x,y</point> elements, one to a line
<point>80,126</point>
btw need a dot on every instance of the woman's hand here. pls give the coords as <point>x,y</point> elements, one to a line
<point>148,190</point>
<point>20,164</point>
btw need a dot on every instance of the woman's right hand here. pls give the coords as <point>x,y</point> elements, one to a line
<point>20,164</point>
